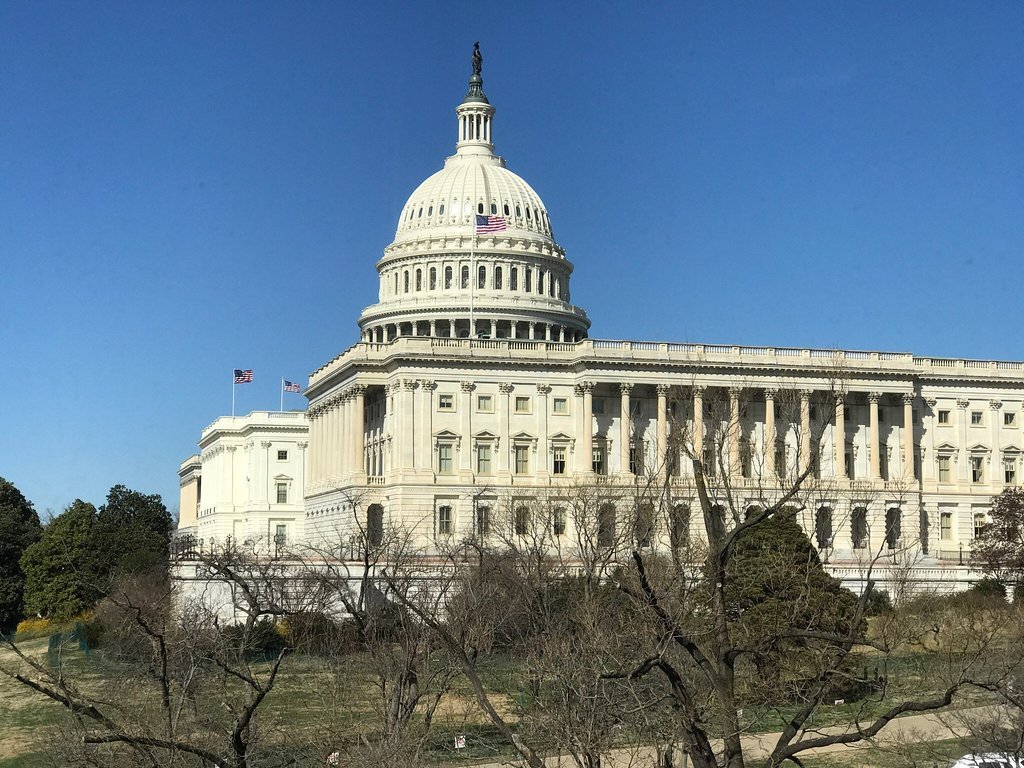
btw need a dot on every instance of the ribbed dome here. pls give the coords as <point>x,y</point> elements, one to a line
<point>469,185</point>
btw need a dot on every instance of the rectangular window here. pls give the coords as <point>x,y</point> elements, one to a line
<point>558,521</point>
<point>529,281</point>
<point>558,460</point>
<point>977,469</point>
<point>446,402</point>
<point>944,462</point>
<point>444,459</point>
<point>522,454</point>
<point>282,493</point>
<point>280,535</point>
<point>975,417</point>
<point>484,403</point>
<point>946,526</point>
<point>282,455</point>
<point>636,457</point>
<point>513,279</point>
<point>943,417</point>
<point>483,520</point>
<point>980,521</point>
<point>483,459</point>
<point>444,520</point>
<point>597,463</point>
<point>1009,419</point>
<point>560,405</point>
<point>1010,470</point>
<point>708,461</point>
<point>523,404</point>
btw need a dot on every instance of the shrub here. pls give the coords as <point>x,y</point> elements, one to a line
<point>35,627</point>
<point>989,588</point>
<point>878,602</point>
<point>263,639</point>
<point>316,633</point>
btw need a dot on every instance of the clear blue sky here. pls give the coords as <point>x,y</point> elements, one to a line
<point>190,187</point>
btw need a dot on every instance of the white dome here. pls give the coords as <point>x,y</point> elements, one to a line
<point>471,184</point>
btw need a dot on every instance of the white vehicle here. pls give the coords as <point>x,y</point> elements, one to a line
<point>989,760</point>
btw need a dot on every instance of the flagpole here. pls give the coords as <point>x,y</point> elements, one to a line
<point>281,409</point>
<point>232,393</point>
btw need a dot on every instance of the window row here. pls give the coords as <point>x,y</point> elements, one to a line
<point>530,214</point>
<point>485,404</point>
<point>977,418</point>
<point>498,278</point>
<point>484,455</point>
<point>976,467</point>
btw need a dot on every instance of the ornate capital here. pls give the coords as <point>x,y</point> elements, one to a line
<point>963,404</point>
<point>908,398</point>
<point>505,388</point>
<point>931,402</point>
<point>735,392</point>
<point>265,443</point>
<point>467,386</point>
<point>770,393</point>
<point>805,394</point>
<point>995,405</point>
<point>699,390</point>
<point>588,387</point>
<point>840,399</point>
<point>427,385</point>
<point>663,390</point>
<point>302,445</point>
<point>625,388</point>
<point>357,390</point>
<point>409,384</point>
<point>874,397</point>
<point>543,389</point>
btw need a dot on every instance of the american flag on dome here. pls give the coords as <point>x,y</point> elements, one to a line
<point>243,377</point>
<point>292,386</point>
<point>487,224</point>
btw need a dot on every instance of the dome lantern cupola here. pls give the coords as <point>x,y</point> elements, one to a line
<point>441,278</point>
<point>475,114</point>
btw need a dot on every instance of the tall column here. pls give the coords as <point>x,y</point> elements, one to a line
<point>330,448</point>
<point>735,465</point>
<point>698,423</point>
<point>358,440</point>
<point>315,428</point>
<point>625,428</point>
<point>663,468</point>
<point>769,434</point>
<point>344,436</point>
<point>805,430</point>
<point>908,436</point>
<point>995,476</point>
<point>839,438</point>
<point>585,463</point>
<point>928,467</point>
<point>874,445</point>
<point>533,330</point>
<point>406,418</point>
<point>541,463</point>
<point>466,433</point>
<point>422,458</point>
<point>504,443</point>
<point>963,463</point>
<point>433,328</point>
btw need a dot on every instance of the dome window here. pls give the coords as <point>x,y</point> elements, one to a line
<point>419,279</point>
<point>536,216</point>
<point>430,211</point>
<point>519,213</point>
<point>480,208</point>
<point>481,277</point>
<point>433,278</point>
<point>465,277</point>
<point>540,281</point>
<point>440,211</point>
<point>513,279</point>
<point>497,278</point>
<point>528,281</point>
<point>447,278</point>
<point>494,209</point>
<point>506,209</point>
<point>420,214</point>
<point>528,217</point>
<point>407,281</point>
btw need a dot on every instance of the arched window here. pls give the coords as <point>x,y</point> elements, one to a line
<point>447,278</point>
<point>440,211</point>
<point>407,281</point>
<point>513,279</point>
<point>494,209</point>
<point>430,211</point>
<point>535,216</point>
<point>521,521</point>
<point>433,278</point>
<point>374,525</point>
<point>679,529</point>
<point>551,287</point>
<point>643,525</point>
<point>465,277</point>
<point>505,208</point>
<point>396,282</point>
<point>519,212</point>
<point>528,280</point>
<point>419,279</point>
<point>893,526</point>
<point>480,208</point>
<point>528,217</point>
<point>859,527</point>
<point>481,277</point>
<point>420,214</point>
<point>823,527</point>
<point>540,281</point>
<point>497,278</point>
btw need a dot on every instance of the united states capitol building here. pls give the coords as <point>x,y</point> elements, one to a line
<point>476,387</point>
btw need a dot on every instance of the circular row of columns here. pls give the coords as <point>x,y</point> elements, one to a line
<point>734,430</point>
<point>535,331</point>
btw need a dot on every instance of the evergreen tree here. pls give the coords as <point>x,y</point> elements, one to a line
<point>19,528</point>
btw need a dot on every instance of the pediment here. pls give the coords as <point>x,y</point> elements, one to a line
<point>445,434</point>
<point>282,477</point>
<point>1011,449</point>
<point>561,437</point>
<point>523,436</point>
<point>978,448</point>
<point>483,434</point>
<point>946,447</point>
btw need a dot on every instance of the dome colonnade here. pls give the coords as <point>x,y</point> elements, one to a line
<point>440,278</point>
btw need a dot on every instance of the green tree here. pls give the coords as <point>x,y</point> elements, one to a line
<point>134,529</point>
<point>64,572</point>
<point>999,550</point>
<point>19,528</point>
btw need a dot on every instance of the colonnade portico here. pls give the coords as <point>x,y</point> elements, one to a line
<point>451,328</point>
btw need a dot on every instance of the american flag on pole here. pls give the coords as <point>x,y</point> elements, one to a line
<point>488,224</point>
<point>243,377</point>
<point>292,386</point>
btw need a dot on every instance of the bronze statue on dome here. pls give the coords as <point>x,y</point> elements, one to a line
<point>478,60</point>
